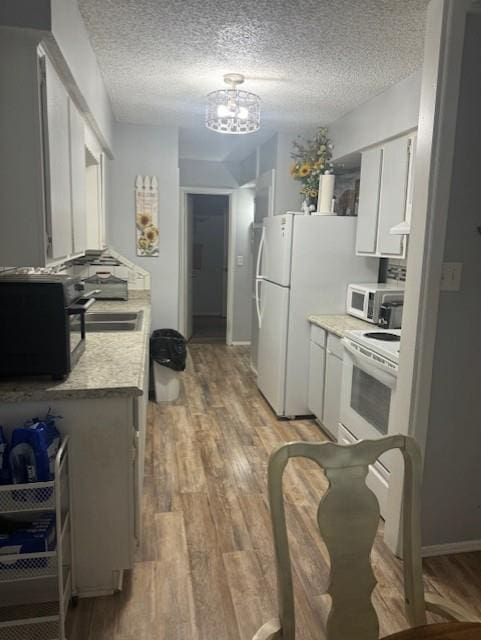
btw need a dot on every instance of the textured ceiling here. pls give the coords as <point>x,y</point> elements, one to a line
<point>309,60</point>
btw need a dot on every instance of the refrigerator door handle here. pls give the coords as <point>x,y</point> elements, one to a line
<point>258,301</point>
<point>259,278</point>
<point>259,254</point>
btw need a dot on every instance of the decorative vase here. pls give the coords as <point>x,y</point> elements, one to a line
<point>309,205</point>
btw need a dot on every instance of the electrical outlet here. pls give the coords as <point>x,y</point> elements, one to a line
<point>240,261</point>
<point>451,276</point>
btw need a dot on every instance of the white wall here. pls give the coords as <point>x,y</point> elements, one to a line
<point>206,174</point>
<point>275,153</point>
<point>389,114</point>
<point>248,168</point>
<point>287,196</point>
<point>149,151</point>
<point>243,204</point>
<point>451,489</point>
<point>33,14</point>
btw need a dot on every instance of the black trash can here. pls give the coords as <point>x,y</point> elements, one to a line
<point>168,352</point>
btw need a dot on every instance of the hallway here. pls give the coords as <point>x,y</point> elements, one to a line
<point>209,329</point>
<point>205,566</point>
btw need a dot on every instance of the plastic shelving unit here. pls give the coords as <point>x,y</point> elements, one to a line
<point>37,588</point>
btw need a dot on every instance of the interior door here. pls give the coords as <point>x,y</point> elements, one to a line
<point>272,347</point>
<point>189,265</point>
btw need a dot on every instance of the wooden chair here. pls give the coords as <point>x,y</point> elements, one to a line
<point>348,517</point>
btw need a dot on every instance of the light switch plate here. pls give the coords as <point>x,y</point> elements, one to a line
<point>451,276</point>
<point>240,261</point>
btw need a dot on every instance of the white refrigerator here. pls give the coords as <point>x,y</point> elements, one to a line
<point>304,265</point>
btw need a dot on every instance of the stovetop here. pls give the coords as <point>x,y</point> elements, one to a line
<point>384,342</point>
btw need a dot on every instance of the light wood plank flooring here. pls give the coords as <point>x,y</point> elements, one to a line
<point>205,568</point>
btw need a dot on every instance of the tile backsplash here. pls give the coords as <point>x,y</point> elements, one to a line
<point>396,271</point>
<point>108,262</point>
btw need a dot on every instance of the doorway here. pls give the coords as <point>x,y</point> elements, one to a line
<point>207,239</point>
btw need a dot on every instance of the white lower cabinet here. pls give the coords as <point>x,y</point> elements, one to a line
<point>106,449</point>
<point>317,360</point>
<point>325,376</point>
<point>332,387</point>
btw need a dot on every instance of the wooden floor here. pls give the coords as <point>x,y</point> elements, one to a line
<point>205,568</point>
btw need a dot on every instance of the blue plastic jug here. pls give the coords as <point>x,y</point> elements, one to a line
<point>33,451</point>
<point>5,476</point>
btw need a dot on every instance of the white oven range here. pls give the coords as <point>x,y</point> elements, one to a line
<point>369,379</point>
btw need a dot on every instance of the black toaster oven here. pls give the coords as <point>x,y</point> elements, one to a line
<point>42,324</point>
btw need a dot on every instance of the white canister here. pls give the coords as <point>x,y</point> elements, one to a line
<point>326,193</point>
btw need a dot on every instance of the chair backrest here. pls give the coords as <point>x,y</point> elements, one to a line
<point>348,517</point>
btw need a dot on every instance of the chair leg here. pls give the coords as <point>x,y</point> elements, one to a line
<point>441,606</point>
<point>271,630</point>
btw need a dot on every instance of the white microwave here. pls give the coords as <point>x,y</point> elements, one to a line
<point>365,300</point>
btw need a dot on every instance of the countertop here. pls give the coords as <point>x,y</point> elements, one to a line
<point>113,363</point>
<point>339,324</point>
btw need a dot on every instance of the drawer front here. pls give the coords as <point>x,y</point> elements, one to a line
<point>318,335</point>
<point>334,346</point>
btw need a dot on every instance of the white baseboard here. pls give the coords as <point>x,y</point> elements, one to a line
<point>451,547</point>
<point>240,343</point>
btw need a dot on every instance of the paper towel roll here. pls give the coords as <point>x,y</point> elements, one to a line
<point>326,193</point>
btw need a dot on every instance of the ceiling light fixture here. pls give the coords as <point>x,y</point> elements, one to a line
<point>232,110</point>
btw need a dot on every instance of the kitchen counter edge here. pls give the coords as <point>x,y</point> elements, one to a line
<point>339,324</point>
<point>112,365</point>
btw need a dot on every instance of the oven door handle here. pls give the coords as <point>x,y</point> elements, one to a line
<point>82,307</point>
<point>374,368</point>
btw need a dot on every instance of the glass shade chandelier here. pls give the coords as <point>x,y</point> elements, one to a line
<point>232,110</point>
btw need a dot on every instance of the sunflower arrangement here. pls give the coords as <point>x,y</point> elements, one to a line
<point>148,235</point>
<point>312,158</point>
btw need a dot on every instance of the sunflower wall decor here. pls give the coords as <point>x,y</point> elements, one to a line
<point>312,158</point>
<point>146,214</point>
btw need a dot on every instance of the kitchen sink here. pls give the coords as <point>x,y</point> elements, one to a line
<point>106,321</point>
<point>106,316</point>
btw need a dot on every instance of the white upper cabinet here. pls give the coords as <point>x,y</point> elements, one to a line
<point>78,179</point>
<point>368,211</point>
<point>393,195</point>
<point>95,191</point>
<point>383,198</point>
<point>57,165</point>
<point>43,178</point>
